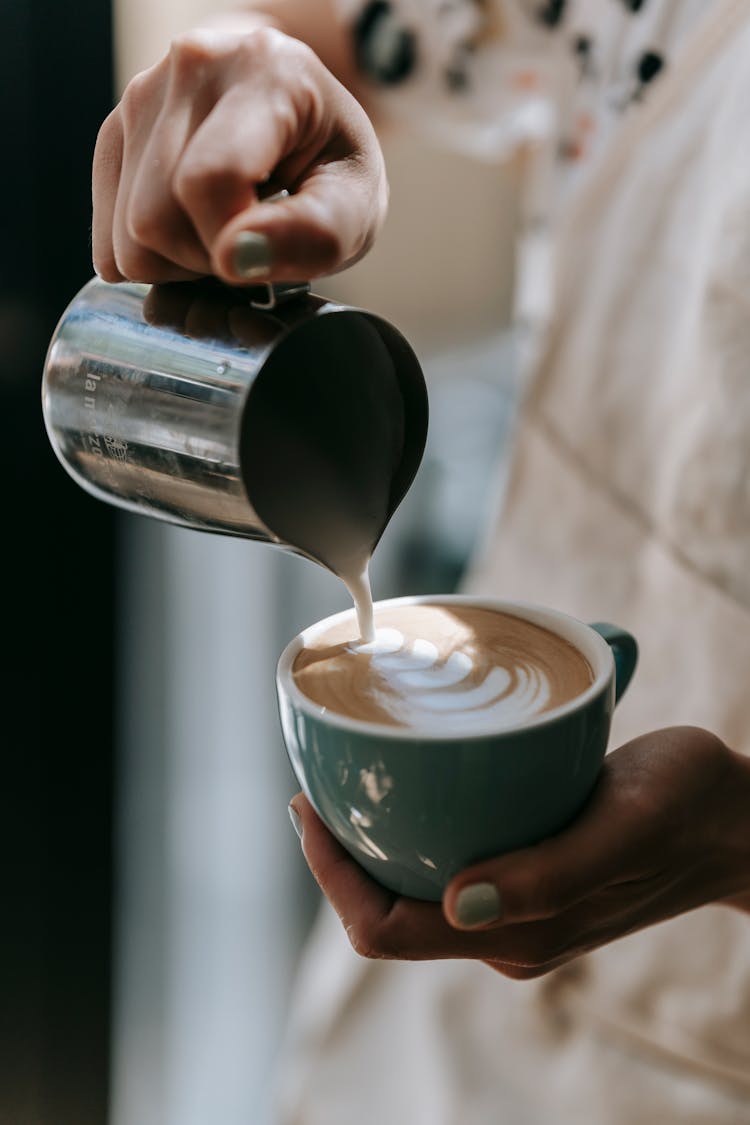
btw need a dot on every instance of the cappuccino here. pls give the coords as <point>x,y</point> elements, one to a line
<point>447,668</point>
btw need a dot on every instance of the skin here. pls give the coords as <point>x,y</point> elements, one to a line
<point>234,111</point>
<point>665,831</point>
<point>266,98</point>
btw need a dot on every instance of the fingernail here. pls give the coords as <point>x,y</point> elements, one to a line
<point>296,820</point>
<point>252,254</point>
<point>478,904</point>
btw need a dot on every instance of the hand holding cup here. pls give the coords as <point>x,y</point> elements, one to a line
<point>664,832</point>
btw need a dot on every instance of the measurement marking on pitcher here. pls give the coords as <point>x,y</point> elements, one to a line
<point>91,384</point>
<point>101,445</point>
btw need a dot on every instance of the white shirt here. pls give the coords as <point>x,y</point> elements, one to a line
<point>629,501</point>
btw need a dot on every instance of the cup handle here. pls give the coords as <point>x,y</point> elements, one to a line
<point>625,651</point>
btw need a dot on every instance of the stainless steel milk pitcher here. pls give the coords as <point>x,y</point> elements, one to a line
<point>268,413</point>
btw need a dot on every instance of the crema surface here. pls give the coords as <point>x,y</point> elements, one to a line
<point>448,668</point>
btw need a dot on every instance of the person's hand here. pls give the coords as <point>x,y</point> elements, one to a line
<point>665,831</point>
<point>226,117</point>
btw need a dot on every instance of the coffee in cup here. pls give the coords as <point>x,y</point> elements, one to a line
<point>442,666</point>
<point>485,734</point>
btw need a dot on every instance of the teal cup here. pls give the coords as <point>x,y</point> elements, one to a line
<point>415,808</point>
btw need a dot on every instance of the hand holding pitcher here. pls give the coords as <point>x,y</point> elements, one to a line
<point>231,110</point>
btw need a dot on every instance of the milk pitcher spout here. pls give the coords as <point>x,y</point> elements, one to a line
<point>275,415</point>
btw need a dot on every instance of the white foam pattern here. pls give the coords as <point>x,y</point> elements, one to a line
<point>419,689</point>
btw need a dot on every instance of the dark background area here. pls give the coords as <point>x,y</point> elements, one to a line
<point>59,586</point>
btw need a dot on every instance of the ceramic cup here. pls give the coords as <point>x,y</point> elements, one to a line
<point>415,808</point>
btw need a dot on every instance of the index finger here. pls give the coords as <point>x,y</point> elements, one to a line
<point>379,923</point>
<point>106,169</point>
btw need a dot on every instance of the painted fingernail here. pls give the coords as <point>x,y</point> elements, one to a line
<point>296,820</point>
<point>252,254</point>
<point>477,905</point>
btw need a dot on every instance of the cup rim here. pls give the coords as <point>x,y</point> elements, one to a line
<point>576,632</point>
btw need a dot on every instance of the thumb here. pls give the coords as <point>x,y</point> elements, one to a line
<point>327,225</point>
<point>543,881</point>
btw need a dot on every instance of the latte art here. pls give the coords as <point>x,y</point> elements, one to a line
<point>416,682</point>
<point>434,668</point>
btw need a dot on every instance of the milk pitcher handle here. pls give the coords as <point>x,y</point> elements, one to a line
<point>269,295</point>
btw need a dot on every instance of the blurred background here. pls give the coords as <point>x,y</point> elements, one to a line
<point>156,900</point>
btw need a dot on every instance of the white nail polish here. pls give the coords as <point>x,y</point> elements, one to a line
<point>252,255</point>
<point>478,904</point>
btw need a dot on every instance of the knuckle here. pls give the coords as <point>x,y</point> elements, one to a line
<point>260,43</point>
<point>105,267</point>
<point>300,56</point>
<point>195,51</point>
<point>188,182</point>
<point>135,98</point>
<point>133,263</point>
<point>197,179</point>
<point>545,895</point>
<point>144,226</point>
<point>365,942</point>
<point>192,50</point>
<point>264,44</point>
<point>136,91</point>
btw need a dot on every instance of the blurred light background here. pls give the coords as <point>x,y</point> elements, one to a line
<point>159,900</point>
